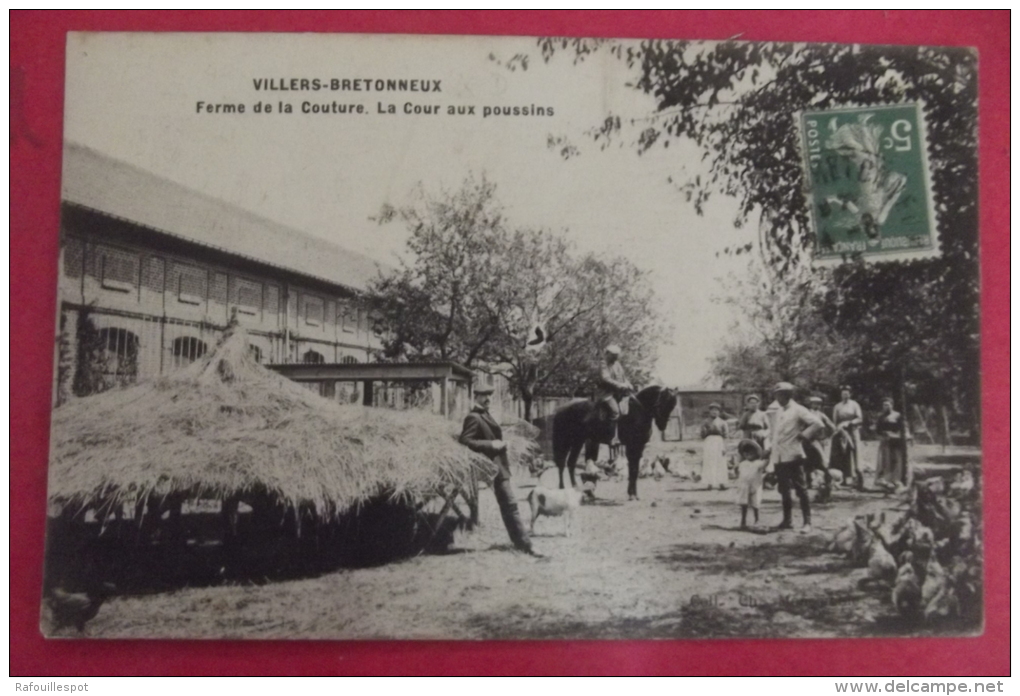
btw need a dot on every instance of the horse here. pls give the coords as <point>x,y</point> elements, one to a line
<point>582,424</point>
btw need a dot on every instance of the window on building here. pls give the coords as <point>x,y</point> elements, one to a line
<point>120,354</point>
<point>248,299</point>
<point>256,353</point>
<point>348,360</point>
<point>118,269</point>
<point>348,318</point>
<point>271,300</point>
<point>186,350</point>
<point>313,311</point>
<point>191,285</point>
<point>313,357</point>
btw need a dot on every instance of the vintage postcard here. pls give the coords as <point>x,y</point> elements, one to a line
<point>435,337</point>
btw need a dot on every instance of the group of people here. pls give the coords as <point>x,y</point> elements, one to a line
<point>793,441</point>
<point>788,438</point>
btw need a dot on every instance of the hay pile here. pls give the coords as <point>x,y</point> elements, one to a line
<point>226,426</point>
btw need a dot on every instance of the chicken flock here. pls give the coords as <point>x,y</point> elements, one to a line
<point>928,557</point>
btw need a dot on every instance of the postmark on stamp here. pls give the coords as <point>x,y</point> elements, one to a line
<point>868,184</point>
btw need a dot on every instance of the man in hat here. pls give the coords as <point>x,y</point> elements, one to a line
<point>612,386</point>
<point>753,423</point>
<point>794,426</point>
<point>482,434</point>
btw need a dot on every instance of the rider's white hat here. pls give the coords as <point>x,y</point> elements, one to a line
<point>614,349</point>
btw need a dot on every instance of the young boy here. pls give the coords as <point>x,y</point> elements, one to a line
<point>750,479</point>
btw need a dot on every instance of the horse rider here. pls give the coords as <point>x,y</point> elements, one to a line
<point>482,434</point>
<point>613,387</point>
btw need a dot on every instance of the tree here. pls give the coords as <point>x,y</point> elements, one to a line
<point>473,287</point>
<point>448,302</point>
<point>738,103</point>
<point>91,369</point>
<point>585,305</point>
<point>783,335</point>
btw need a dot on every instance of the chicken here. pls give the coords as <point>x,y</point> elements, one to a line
<point>938,596</point>
<point>906,594</point>
<point>935,576</point>
<point>843,540</point>
<point>965,533</point>
<point>962,483</point>
<point>881,564</point>
<point>588,483</point>
<point>861,542</point>
<point>77,608</point>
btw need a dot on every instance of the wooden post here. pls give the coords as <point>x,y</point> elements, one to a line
<point>327,389</point>
<point>946,439</point>
<point>908,467</point>
<point>444,390</point>
<point>367,397</point>
<point>473,498</point>
<point>285,299</point>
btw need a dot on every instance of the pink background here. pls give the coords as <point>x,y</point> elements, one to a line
<point>37,57</point>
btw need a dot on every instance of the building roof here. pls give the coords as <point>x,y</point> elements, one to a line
<point>98,182</point>
<point>409,371</point>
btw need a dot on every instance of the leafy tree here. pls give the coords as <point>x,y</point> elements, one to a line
<point>447,303</point>
<point>91,362</point>
<point>783,335</point>
<point>738,101</point>
<point>474,287</point>
<point>585,305</point>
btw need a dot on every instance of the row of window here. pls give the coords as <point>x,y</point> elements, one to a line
<point>120,352</point>
<point>314,357</point>
<point>120,349</point>
<point>121,271</point>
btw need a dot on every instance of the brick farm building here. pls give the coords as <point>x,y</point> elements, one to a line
<point>151,272</point>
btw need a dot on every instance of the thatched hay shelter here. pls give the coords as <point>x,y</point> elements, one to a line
<point>225,426</point>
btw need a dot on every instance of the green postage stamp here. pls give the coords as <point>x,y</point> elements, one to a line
<point>868,183</point>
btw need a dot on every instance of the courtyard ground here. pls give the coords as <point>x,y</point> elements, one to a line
<point>673,565</point>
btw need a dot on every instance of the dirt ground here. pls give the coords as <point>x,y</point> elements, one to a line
<point>673,565</point>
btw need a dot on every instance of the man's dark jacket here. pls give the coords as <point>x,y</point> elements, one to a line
<point>480,430</point>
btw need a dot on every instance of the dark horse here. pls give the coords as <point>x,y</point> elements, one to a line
<point>583,424</point>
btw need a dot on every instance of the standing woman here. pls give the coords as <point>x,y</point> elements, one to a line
<point>891,469</point>
<point>713,467</point>
<point>753,422</point>
<point>846,443</point>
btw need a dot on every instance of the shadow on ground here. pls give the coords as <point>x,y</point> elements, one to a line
<point>719,558</point>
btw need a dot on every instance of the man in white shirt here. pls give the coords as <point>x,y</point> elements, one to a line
<point>794,425</point>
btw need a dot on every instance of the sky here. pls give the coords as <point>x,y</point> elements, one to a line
<point>134,97</point>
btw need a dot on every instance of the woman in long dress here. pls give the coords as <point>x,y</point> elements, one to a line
<point>846,443</point>
<point>891,468</point>
<point>713,467</point>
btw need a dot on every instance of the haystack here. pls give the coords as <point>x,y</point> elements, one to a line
<point>226,426</point>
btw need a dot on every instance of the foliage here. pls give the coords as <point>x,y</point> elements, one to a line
<point>474,286</point>
<point>90,374</point>
<point>448,303</point>
<point>590,303</point>
<point>783,335</point>
<point>738,102</point>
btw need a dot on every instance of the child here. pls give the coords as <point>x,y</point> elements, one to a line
<point>750,478</point>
